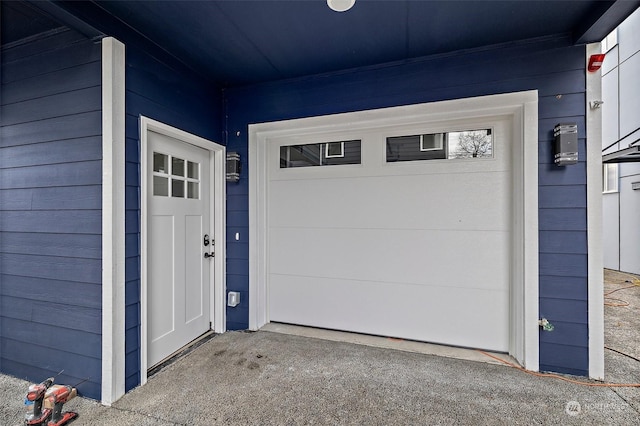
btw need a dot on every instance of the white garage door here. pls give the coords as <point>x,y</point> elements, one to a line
<point>402,231</point>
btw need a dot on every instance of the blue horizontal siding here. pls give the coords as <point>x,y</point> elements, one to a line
<point>78,246</point>
<point>82,76</point>
<point>85,295</point>
<point>566,310</point>
<point>563,265</point>
<point>55,152</point>
<point>567,359</point>
<point>52,221</point>
<point>84,124</point>
<point>565,333</point>
<point>20,358</point>
<point>69,316</point>
<point>57,198</point>
<point>187,102</point>
<point>69,103</point>
<point>46,335</point>
<point>238,251</point>
<point>562,196</point>
<point>51,175</point>
<point>54,41</point>
<point>552,66</point>
<point>50,210</point>
<point>52,267</point>
<point>570,288</point>
<point>570,242</point>
<point>548,174</point>
<point>563,219</point>
<point>45,56</point>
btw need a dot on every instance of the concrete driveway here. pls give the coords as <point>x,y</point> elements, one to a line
<point>268,378</point>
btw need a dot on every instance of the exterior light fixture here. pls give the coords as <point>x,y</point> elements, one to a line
<point>233,167</point>
<point>340,5</point>
<point>595,62</point>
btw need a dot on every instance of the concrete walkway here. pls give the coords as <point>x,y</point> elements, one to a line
<point>268,378</point>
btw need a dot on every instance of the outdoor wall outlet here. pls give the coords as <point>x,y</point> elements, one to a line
<point>233,299</point>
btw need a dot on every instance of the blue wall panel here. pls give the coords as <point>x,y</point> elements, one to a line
<point>50,210</point>
<point>160,92</point>
<point>551,66</point>
<point>52,129</point>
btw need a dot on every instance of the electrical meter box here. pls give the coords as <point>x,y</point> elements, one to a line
<point>566,143</point>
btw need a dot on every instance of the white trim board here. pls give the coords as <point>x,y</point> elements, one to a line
<point>594,221</point>
<point>113,220</point>
<point>217,161</point>
<point>523,109</point>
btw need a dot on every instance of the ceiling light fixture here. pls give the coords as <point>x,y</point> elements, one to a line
<point>340,5</point>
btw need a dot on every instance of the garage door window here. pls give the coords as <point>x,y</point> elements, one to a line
<point>440,146</point>
<point>320,154</point>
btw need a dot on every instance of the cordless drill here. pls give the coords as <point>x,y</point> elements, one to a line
<point>35,394</point>
<point>55,398</point>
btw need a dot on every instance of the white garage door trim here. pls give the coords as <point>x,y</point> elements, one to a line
<point>522,107</point>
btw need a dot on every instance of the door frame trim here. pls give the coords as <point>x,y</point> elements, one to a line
<point>521,106</point>
<point>595,260</point>
<point>217,156</point>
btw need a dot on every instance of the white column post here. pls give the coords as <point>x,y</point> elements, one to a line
<point>113,219</point>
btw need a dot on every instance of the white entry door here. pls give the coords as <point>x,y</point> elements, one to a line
<point>180,242</point>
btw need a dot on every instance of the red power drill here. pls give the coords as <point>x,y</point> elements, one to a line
<point>55,398</point>
<point>36,394</point>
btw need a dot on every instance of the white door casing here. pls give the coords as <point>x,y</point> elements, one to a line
<point>520,109</point>
<point>171,318</point>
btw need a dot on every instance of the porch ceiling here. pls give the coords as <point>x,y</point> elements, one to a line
<point>241,42</point>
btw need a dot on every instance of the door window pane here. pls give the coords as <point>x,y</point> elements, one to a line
<point>193,190</point>
<point>161,186</point>
<point>177,188</point>
<point>160,163</point>
<point>177,166</point>
<point>193,170</point>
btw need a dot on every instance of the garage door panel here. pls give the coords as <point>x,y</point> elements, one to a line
<point>409,202</point>
<point>453,316</point>
<point>421,257</point>
<point>413,249</point>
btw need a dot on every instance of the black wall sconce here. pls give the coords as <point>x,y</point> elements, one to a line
<point>233,167</point>
<point>566,143</point>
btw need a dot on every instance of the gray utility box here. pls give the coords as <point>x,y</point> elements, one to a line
<point>566,143</point>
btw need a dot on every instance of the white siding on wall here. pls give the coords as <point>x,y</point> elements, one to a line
<point>629,36</point>
<point>611,60</point>
<point>620,119</point>
<point>610,110</point>
<point>630,228</point>
<point>630,94</point>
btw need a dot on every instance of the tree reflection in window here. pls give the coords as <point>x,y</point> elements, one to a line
<point>440,146</point>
